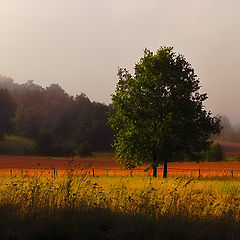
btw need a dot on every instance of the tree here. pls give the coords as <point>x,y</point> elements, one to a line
<point>158,115</point>
<point>7,108</point>
<point>214,154</point>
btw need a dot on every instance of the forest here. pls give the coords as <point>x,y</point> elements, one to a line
<point>59,124</point>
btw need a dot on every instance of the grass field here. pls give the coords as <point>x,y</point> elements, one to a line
<point>57,198</point>
<point>16,145</point>
<point>83,207</point>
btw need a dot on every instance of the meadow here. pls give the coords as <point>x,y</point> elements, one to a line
<point>83,207</point>
<point>58,198</point>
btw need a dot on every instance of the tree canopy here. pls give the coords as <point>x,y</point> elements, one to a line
<point>58,123</point>
<point>7,107</point>
<point>158,113</point>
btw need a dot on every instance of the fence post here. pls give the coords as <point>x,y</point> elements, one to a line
<point>11,172</point>
<point>107,170</point>
<point>93,172</point>
<point>199,173</point>
<point>131,172</point>
<point>232,172</point>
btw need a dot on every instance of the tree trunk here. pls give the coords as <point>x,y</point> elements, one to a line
<point>154,166</point>
<point>154,171</point>
<point>165,169</point>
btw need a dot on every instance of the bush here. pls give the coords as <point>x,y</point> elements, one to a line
<point>214,153</point>
<point>83,150</point>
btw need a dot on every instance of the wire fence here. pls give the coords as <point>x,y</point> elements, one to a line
<point>100,171</point>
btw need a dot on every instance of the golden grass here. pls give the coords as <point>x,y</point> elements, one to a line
<point>195,199</point>
<point>74,206</point>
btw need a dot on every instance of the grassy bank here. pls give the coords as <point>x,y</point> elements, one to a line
<point>80,207</point>
<point>15,145</point>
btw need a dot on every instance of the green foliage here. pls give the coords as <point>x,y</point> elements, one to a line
<point>158,113</point>
<point>45,142</point>
<point>214,153</point>
<point>83,150</point>
<point>8,108</point>
<point>60,124</point>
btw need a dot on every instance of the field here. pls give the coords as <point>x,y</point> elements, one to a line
<point>58,198</point>
<point>106,164</point>
<point>83,207</point>
<point>16,145</point>
<point>103,165</point>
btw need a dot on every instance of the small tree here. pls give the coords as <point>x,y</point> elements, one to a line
<point>158,114</point>
<point>215,153</point>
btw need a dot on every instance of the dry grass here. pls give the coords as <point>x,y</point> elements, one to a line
<point>82,207</point>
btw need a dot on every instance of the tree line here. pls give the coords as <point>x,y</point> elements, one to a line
<point>229,133</point>
<point>60,124</point>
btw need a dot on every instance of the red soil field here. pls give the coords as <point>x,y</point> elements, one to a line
<point>34,165</point>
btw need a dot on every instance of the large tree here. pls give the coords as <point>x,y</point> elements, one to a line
<point>158,113</point>
<point>7,112</point>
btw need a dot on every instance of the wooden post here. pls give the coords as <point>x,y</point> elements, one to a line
<point>107,170</point>
<point>199,173</point>
<point>93,172</point>
<point>232,172</point>
<point>131,172</point>
<point>11,172</point>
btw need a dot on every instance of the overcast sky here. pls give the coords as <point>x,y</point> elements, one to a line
<point>81,43</point>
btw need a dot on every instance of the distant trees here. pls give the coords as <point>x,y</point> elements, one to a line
<point>59,124</point>
<point>228,133</point>
<point>213,154</point>
<point>7,111</point>
<point>158,115</point>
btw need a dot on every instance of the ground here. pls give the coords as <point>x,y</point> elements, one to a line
<point>107,165</point>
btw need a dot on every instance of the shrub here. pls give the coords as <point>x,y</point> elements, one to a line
<point>214,153</point>
<point>83,150</point>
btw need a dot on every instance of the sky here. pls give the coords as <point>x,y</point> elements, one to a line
<point>79,44</point>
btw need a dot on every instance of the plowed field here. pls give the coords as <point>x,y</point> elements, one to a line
<point>108,166</point>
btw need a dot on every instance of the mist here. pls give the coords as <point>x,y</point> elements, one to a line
<point>80,44</point>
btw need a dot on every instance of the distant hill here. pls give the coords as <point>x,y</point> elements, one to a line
<point>230,148</point>
<point>236,127</point>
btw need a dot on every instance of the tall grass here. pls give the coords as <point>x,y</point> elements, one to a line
<point>82,207</point>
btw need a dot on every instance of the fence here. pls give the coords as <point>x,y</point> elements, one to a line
<point>172,172</point>
<point>94,171</point>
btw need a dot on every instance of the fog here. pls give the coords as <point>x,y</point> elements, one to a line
<point>81,43</point>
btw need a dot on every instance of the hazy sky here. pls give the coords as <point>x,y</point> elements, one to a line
<point>81,43</point>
